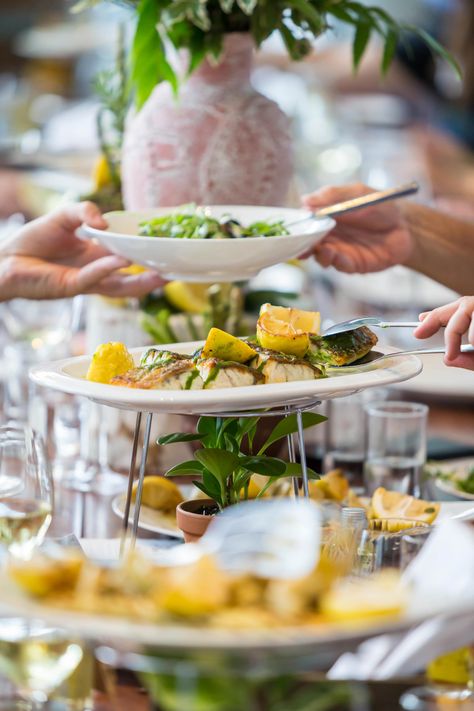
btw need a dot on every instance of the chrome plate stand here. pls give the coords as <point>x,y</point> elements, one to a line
<point>129,533</point>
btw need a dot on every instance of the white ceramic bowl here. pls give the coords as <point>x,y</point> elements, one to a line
<point>210,260</point>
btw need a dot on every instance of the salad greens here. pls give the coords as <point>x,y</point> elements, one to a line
<point>195,223</point>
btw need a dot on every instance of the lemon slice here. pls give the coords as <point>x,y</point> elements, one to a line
<point>393,505</point>
<point>43,576</point>
<point>159,493</point>
<point>220,344</point>
<point>286,330</point>
<point>451,668</point>
<point>355,599</point>
<point>395,525</point>
<point>191,298</point>
<point>101,174</point>
<point>109,360</point>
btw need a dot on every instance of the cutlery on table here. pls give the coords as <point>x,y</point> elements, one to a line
<point>373,198</point>
<point>376,356</point>
<point>368,321</point>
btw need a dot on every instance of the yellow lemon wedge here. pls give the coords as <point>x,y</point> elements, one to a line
<point>191,298</point>
<point>356,599</point>
<point>220,344</point>
<point>101,173</point>
<point>451,668</point>
<point>395,525</point>
<point>394,505</point>
<point>43,576</point>
<point>109,360</point>
<point>286,330</point>
<point>159,493</point>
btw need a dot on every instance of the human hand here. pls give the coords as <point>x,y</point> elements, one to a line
<point>46,260</point>
<point>367,240</point>
<point>458,317</point>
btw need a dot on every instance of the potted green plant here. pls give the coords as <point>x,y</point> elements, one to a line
<point>226,461</point>
<point>223,142</point>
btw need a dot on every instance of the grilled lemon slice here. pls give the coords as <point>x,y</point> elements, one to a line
<point>286,330</point>
<point>394,505</point>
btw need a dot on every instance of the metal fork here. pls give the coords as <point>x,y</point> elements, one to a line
<point>354,323</point>
<point>376,356</point>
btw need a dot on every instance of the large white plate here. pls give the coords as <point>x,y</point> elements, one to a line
<point>210,260</point>
<point>69,376</point>
<point>157,522</point>
<point>321,636</point>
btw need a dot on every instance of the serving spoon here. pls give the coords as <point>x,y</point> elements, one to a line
<point>373,198</point>
<point>355,323</point>
<point>376,356</point>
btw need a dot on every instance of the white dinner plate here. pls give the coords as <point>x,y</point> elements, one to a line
<point>209,260</point>
<point>69,376</point>
<point>459,469</point>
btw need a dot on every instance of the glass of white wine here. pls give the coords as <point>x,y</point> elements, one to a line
<point>37,658</point>
<point>26,490</point>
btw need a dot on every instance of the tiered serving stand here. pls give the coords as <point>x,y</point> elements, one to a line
<point>282,399</point>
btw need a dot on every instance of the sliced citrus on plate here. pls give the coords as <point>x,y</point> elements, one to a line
<point>220,344</point>
<point>191,298</point>
<point>109,360</point>
<point>359,598</point>
<point>394,505</point>
<point>286,330</point>
<point>159,493</point>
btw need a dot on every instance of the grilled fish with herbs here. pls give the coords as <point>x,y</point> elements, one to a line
<point>217,373</point>
<point>176,375</point>
<point>342,348</point>
<point>282,368</point>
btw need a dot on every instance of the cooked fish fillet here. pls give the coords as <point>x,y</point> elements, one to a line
<point>281,368</point>
<point>155,357</point>
<point>178,375</point>
<point>342,348</point>
<point>217,373</point>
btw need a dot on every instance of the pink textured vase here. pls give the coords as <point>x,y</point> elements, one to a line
<point>220,142</point>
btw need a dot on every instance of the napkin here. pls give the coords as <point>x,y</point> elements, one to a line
<point>442,582</point>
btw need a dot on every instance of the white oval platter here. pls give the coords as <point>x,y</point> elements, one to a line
<point>69,376</point>
<point>210,260</point>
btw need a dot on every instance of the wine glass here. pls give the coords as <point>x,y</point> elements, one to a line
<point>26,490</point>
<point>37,658</point>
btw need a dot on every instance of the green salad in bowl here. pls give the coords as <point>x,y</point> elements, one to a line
<point>193,222</point>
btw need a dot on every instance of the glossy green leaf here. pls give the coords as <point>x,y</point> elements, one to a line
<point>247,6</point>
<point>219,462</point>
<point>189,468</point>
<point>149,65</point>
<point>361,40</point>
<point>438,48</point>
<point>294,469</point>
<point>288,425</point>
<point>178,437</point>
<point>268,466</point>
<point>389,50</point>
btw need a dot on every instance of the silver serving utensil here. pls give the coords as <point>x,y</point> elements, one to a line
<point>276,538</point>
<point>376,356</point>
<point>467,515</point>
<point>354,323</point>
<point>373,198</point>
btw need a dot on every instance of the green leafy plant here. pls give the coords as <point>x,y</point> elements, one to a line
<point>200,26</point>
<point>224,468</point>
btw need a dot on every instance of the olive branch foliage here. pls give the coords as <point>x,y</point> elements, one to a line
<point>201,25</point>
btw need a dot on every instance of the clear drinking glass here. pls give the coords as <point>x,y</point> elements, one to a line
<point>37,658</point>
<point>346,433</point>
<point>26,490</point>
<point>396,446</point>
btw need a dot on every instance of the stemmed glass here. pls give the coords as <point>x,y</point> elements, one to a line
<point>26,490</point>
<point>37,658</point>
